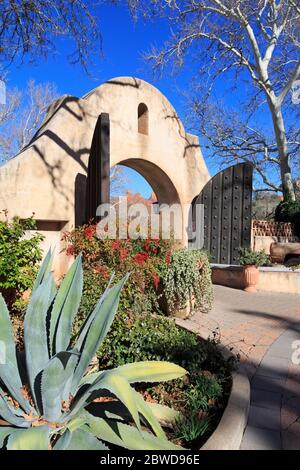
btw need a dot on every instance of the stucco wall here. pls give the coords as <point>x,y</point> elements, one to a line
<point>48,177</point>
<point>42,177</point>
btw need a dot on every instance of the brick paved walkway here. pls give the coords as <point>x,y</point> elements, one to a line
<point>261,328</point>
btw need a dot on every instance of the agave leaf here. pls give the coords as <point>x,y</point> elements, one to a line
<point>9,372</point>
<point>37,438</point>
<point>103,318</point>
<point>164,414</point>
<point>123,435</point>
<point>35,331</point>
<point>81,440</point>
<point>69,374</point>
<point>103,429</point>
<point>90,378</point>
<point>151,371</point>
<point>64,440</point>
<point>117,410</point>
<point>4,433</point>
<point>128,397</point>
<point>148,414</point>
<point>44,270</point>
<point>117,385</point>
<point>134,440</point>
<point>76,423</point>
<point>53,381</point>
<point>87,323</point>
<point>65,307</point>
<point>144,371</point>
<point>12,416</point>
<point>16,410</point>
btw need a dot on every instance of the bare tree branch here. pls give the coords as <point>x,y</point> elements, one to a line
<point>29,28</point>
<point>259,36</point>
<point>22,115</point>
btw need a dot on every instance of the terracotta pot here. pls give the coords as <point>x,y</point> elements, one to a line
<point>250,278</point>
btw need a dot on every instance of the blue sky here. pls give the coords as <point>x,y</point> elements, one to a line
<point>123,44</point>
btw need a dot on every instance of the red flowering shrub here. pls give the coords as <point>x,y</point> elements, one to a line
<point>141,258</point>
<point>90,231</point>
<point>145,259</point>
<point>154,265</point>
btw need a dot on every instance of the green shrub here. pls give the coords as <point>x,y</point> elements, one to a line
<point>188,276</point>
<point>146,337</point>
<point>149,337</point>
<point>137,335</point>
<point>200,397</point>
<point>19,257</point>
<point>289,211</point>
<point>254,258</point>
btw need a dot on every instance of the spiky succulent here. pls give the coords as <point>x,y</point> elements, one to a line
<point>51,401</point>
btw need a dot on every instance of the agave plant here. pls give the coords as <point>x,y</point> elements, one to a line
<point>51,400</point>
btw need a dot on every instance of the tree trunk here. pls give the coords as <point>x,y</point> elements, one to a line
<point>285,168</point>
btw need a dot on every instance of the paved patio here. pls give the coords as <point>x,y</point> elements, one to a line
<point>261,328</point>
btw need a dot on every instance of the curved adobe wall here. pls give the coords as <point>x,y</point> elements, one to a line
<point>48,177</point>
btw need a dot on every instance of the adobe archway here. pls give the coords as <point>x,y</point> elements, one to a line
<point>48,176</point>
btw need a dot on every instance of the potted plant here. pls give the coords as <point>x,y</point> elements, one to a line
<point>186,283</point>
<point>251,260</point>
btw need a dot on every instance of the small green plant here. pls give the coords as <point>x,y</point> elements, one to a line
<point>20,255</point>
<point>53,405</point>
<point>190,428</point>
<point>200,401</point>
<point>203,393</point>
<point>188,276</point>
<point>253,258</point>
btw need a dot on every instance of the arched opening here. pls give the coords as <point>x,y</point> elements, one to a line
<point>149,185</point>
<point>158,180</point>
<point>143,119</point>
<point>125,181</point>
